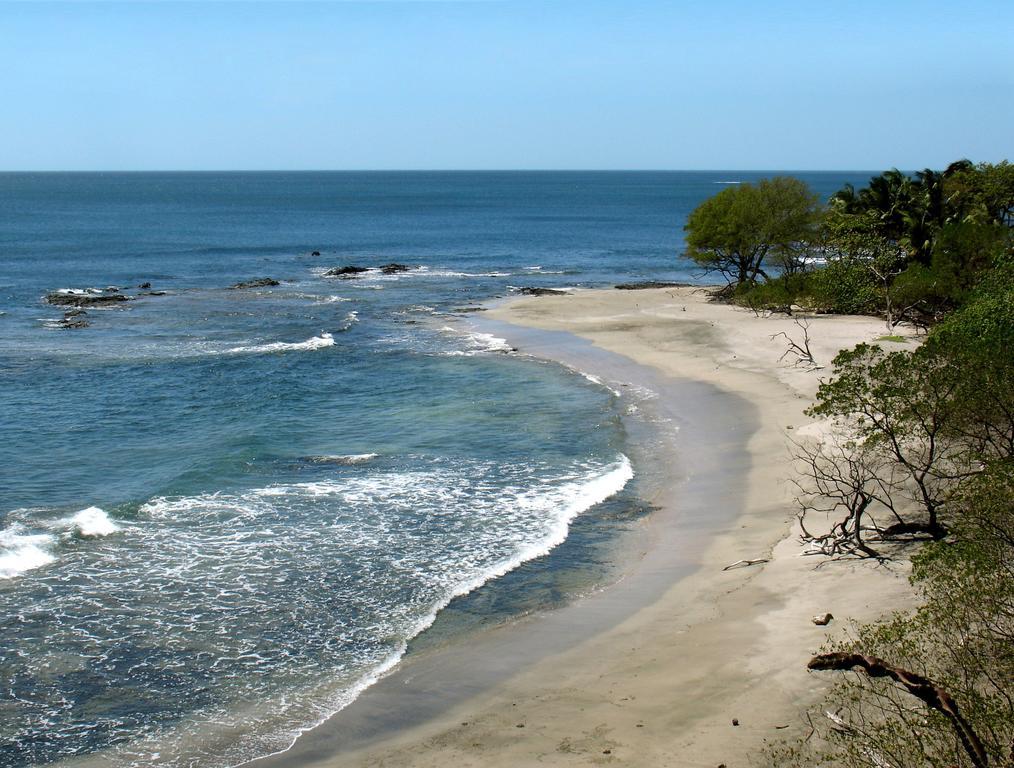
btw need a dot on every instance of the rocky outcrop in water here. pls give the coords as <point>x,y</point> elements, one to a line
<point>345,271</point>
<point>92,297</point>
<point>393,269</point>
<point>74,318</point>
<point>261,282</point>
<point>529,291</point>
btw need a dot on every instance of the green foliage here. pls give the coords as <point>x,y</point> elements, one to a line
<point>911,211</point>
<point>977,341</point>
<point>904,405</point>
<point>920,288</point>
<point>845,286</point>
<point>907,246</point>
<point>925,239</point>
<point>963,251</point>
<point>776,295</point>
<point>982,193</point>
<point>942,418</point>
<point>744,228</point>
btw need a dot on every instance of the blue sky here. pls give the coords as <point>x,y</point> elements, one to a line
<point>421,84</point>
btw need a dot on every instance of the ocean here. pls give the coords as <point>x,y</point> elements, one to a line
<point>224,512</point>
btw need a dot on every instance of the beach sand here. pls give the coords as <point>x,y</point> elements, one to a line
<point>653,670</point>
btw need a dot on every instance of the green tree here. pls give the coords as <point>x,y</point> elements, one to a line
<point>982,193</point>
<point>863,259</point>
<point>748,227</point>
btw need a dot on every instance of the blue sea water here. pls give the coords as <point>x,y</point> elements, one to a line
<point>224,512</point>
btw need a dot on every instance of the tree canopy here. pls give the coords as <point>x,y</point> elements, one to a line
<point>908,246</point>
<point>745,228</point>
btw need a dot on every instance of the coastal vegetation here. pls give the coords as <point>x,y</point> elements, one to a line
<point>907,247</point>
<point>917,453</point>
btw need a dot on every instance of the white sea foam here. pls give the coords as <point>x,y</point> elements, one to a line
<point>375,274</point>
<point>596,380</point>
<point>427,272</point>
<point>564,503</point>
<point>537,268</point>
<point>325,339</point>
<point>343,459</point>
<point>80,291</point>
<point>21,551</point>
<point>221,571</point>
<point>478,343</point>
<point>35,542</point>
<point>92,523</point>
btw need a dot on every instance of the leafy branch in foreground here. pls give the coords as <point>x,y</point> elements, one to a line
<point>926,690</point>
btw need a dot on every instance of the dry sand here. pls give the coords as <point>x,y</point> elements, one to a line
<point>662,683</point>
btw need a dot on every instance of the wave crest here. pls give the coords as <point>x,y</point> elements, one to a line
<point>322,341</point>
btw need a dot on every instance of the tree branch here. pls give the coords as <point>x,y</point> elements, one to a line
<point>926,690</point>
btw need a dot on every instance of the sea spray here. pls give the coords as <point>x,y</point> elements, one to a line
<point>21,551</point>
<point>92,523</point>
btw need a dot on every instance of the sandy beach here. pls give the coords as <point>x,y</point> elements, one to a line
<point>653,670</point>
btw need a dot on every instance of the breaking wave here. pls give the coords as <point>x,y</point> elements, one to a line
<point>322,341</point>
<point>32,541</point>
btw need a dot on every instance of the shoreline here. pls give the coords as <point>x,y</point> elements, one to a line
<point>650,670</point>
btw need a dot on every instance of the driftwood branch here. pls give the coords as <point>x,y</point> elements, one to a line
<point>745,563</point>
<point>922,688</point>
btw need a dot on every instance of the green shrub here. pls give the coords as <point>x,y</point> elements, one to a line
<point>845,286</point>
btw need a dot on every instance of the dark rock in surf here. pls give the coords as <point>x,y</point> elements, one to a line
<point>74,318</point>
<point>68,299</point>
<point>144,286</point>
<point>649,284</point>
<point>261,282</point>
<point>529,291</point>
<point>393,269</point>
<point>152,293</point>
<point>315,253</point>
<point>345,272</point>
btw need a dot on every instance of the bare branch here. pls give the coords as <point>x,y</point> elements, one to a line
<point>799,350</point>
